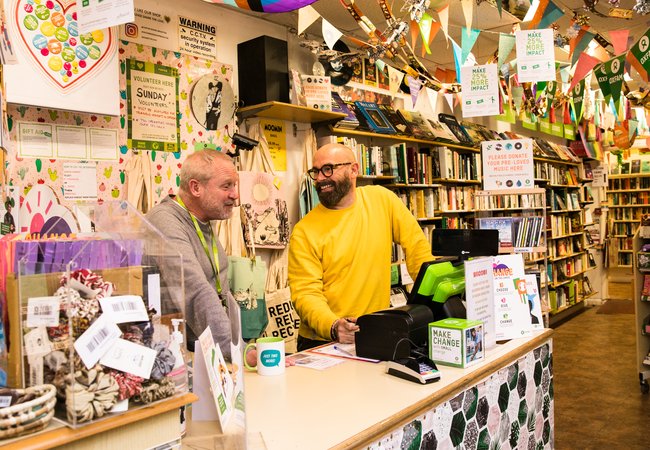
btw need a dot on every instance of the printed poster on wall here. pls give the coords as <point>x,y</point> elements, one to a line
<point>535,55</point>
<point>276,136</point>
<point>480,90</point>
<point>59,67</point>
<point>508,164</point>
<point>96,14</point>
<point>153,25</point>
<point>152,99</point>
<point>197,38</point>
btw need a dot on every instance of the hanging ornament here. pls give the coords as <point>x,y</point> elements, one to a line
<point>590,5</point>
<point>614,3</point>
<point>581,20</point>
<point>642,7</point>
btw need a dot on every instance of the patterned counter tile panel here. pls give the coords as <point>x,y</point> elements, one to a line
<point>512,409</point>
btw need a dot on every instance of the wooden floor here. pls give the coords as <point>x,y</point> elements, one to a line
<point>598,401</point>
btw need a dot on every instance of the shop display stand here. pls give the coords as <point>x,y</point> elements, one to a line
<point>642,309</point>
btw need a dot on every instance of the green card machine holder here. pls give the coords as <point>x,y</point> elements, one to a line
<point>439,285</point>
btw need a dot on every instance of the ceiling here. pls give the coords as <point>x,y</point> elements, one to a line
<point>485,18</point>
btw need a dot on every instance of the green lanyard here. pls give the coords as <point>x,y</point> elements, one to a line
<point>214,257</point>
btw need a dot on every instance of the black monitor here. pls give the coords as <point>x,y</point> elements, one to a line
<point>464,244</point>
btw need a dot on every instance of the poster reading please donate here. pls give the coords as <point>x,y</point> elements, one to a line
<point>508,164</point>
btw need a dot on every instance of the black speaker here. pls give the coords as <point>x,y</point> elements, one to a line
<point>263,71</point>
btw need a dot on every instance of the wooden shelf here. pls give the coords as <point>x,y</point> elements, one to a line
<point>427,219</point>
<point>559,186</point>
<point>414,186</point>
<point>455,211</point>
<point>647,205</point>
<point>567,235</point>
<point>522,250</point>
<point>375,177</point>
<point>404,138</point>
<point>289,112</point>
<point>560,258</point>
<point>618,191</point>
<point>628,175</point>
<point>564,211</point>
<point>555,161</point>
<point>450,180</point>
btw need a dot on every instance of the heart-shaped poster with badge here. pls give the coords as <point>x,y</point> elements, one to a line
<point>47,32</point>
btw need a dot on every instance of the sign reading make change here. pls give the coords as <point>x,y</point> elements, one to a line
<point>535,55</point>
<point>197,38</point>
<point>508,164</point>
<point>480,90</point>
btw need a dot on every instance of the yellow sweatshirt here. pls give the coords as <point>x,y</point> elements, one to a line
<point>339,260</point>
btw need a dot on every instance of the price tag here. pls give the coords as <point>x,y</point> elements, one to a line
<point>129,357</point>
<point>43,311</point>
<point>524,249</point>
<point>121,406</point>
<point>37,343</point>
<point>124,308</point>
<point>5,400</point>
<point>96,340</point>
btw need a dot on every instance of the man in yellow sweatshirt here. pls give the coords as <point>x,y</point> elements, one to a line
<point>340,253</point>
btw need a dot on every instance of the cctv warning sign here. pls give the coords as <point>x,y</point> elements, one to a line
<point>197,38</point>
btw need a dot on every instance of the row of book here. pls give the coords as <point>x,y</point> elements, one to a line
<point>562,225</point>
<point>380,118</point>
<point>628,213</point>
<point>423,203</point>
<point>510,201</point>
<point>556,175</point>
<point>517,232</point>
<point>457,198</point>
<point>562,200</point>
<point>636,165</point>
<point>630,198</point>
<point>625,184</point>
<point>558,248</point>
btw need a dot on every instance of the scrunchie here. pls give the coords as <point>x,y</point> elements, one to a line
<point>56,368</point>
<point>91,280</point>
<point>82,311</point>
<point>164,362</point>
<point>155,390</point>
<point>90,394</point>
<point>129,385</point>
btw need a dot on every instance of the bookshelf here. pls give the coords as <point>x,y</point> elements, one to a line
<point>568,259</point>
<point>288,112</point>
<point>520,217</point>
<point>642,307</point>
<point>628,199</point>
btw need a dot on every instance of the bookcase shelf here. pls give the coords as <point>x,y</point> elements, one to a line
<point>641,311</point>
<point>289,112</point>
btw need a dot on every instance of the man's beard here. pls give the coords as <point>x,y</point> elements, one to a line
<point>332,198</point>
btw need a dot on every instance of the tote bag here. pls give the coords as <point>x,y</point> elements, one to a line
<point>283,319</point>
<point>262,199</point>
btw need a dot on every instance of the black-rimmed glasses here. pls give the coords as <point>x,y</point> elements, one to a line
<point>327,170</point>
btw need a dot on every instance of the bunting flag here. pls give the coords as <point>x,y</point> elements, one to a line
<point>468,12</point>
<point>395,78</point>
<point>457,53</point>
<point>639,56</point>
<point>565,74</point>
<point>450,101</point>
<point>615,69</point>
<point>547,12</point>
<point>331,34</point>
<point>414,86</point>
<point>577,100</point>
<point>415,32</point>
<point>380,65</point>
<point>425,29</point>
<point>443,16</point>
<point>435,27</point>
<point>432,96</point>
<point>601,77</point>
<point>468,39</point>
<point>306,16</point>
<point>506,44</point>
<point>582,41</point>
<point>585,64</point>
<point>517,97</point>
<point>619,40</point>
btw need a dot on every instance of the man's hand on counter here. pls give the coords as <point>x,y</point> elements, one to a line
<point>346,329</point>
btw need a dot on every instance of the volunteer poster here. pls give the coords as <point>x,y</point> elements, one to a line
<point>479,296</point>
<point>508,164</point>
<point>480,90</point>
<point>535,55</point>
<point>152,99</point>
<point>276,137</point>
<point>512,316</point>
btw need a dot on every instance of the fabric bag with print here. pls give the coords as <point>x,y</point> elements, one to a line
<point>283,319</point>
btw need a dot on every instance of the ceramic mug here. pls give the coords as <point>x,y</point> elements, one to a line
<point>270,356</point>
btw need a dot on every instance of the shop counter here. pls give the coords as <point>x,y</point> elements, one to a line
<point>507,397</point>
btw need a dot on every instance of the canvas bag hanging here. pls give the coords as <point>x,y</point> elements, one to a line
<point>307,195</point>
<point>247,279</point>
<point>262,199</point>
<point>283,319</point>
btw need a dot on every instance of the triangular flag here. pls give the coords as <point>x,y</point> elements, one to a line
<point>581,45</point>
<point>575,40</point>
<point>414,86</point>
<point>306,16</point>
<point>395,78</point>
<point>499,7</point>
<point>425,29</point>
<point>632,124</point>
<point>433,98</point>
<point>380,65</point>
<point>539,13</point>
<point>457,52</point>
<point>331,34</point>
<point>468,11</point>
<point>441,74</point>
<point>450,100</point>
<point>506,44</point>
<point>551,14</point>
<point>435,27</point>
<point>443,15</point>
<point>619,40</point>
<point>585,64</point>
<point>457,99</point>
<point>415,32</point>
<point>468,39</point>
<point>565,74</point>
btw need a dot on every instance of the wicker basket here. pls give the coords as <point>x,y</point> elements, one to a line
<point>31,415</point>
